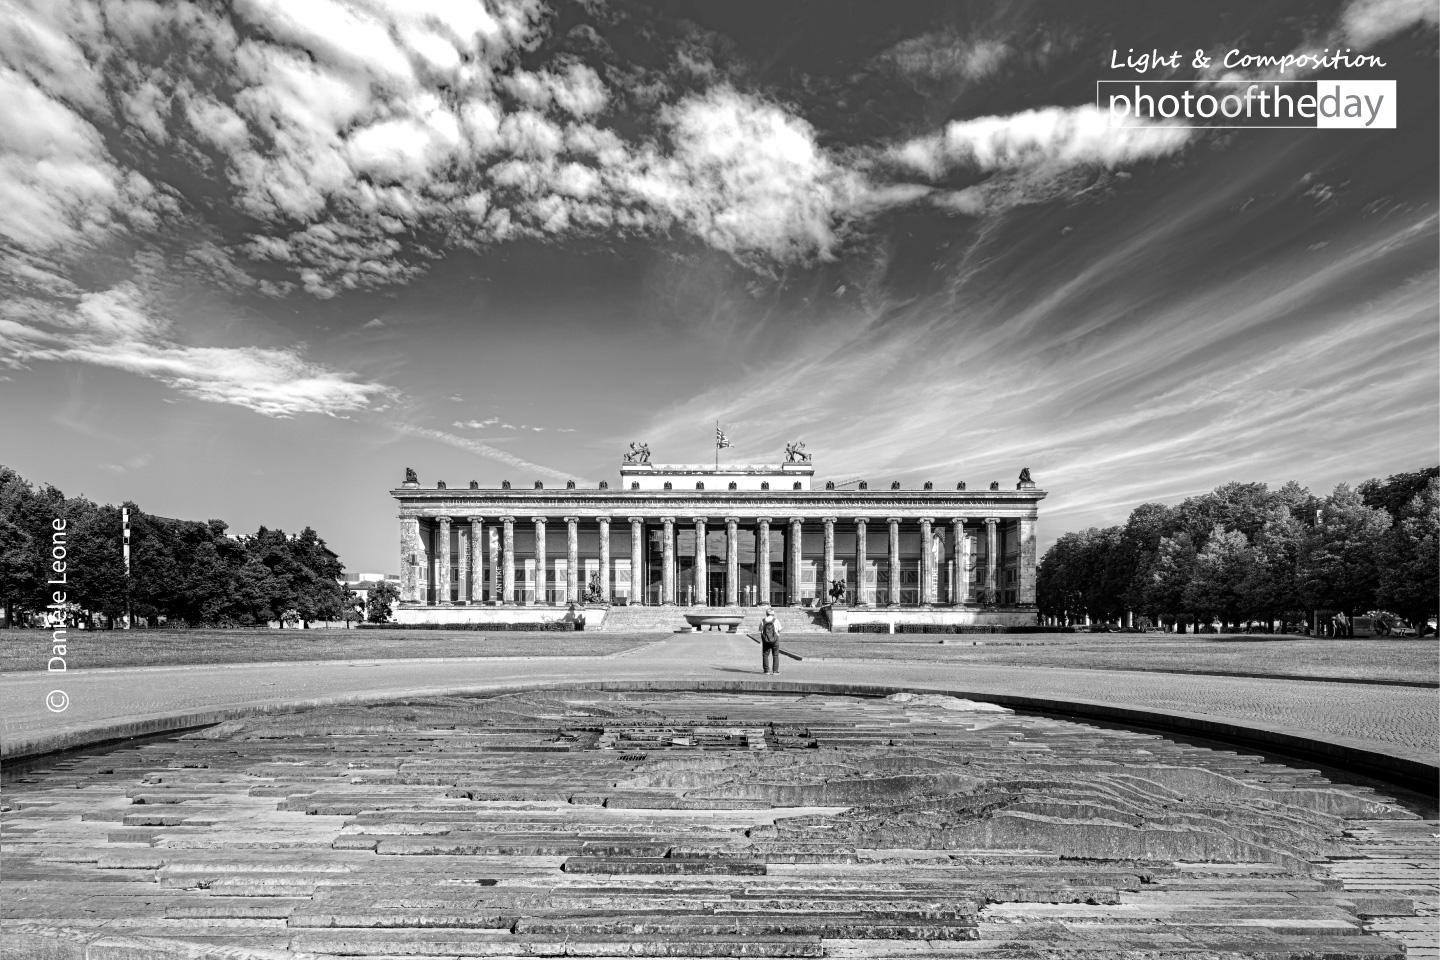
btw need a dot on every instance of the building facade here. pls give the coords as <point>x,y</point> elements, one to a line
<point>732,535</point>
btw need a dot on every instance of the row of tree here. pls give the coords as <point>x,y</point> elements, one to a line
<point>1247,553</point>
<point>182,571</point>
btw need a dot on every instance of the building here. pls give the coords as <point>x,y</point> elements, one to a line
<point>730,535</point>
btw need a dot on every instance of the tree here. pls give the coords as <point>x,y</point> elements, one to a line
<point>1169,574</point>
<point>1221,568</point>
<point>97,563</point>
<point>382,597</point>
<point>1409,581</point>
<point>1149,523</point>
<point>1271,588</point>
<point>1395,493</point>
<point>26,515</point>
<point>255,593</point>
<point>1338,565</point>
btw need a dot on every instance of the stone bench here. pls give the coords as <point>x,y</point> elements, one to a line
<point>717,622</point>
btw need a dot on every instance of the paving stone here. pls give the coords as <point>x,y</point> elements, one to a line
<point>591,824</point>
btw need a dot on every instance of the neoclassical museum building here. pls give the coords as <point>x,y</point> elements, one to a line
<point>728,535</point>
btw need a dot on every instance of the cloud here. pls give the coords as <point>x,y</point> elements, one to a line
<point>1029,157</point>
<point>483,449</point>
<point>947,56</point>
<point>477,424</point>
<point>748,177</point>
<point>1050,138</point>
<point>351,130</point>
<point>130,463</point>
<point>58,184</point>
<point>1111,372</point>
<point>117,328</point>
<point>1367,22</point>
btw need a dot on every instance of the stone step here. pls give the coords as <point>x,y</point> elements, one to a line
<point>642,619</point>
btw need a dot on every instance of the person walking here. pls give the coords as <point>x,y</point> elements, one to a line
<point>769,642</point>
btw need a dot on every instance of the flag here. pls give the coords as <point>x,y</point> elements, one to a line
<point>720,439</point>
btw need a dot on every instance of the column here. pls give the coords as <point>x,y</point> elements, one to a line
<point>960,582</point>
<point>732,561</point>
<point>637,559</point>
<point>1026,593</point>
<point>410,551</point>
<point>442,563</point>
<point>478,547</point>
<point>796,524</point>
<point>762,561</point>
<point>492,548</point>
<point>667,562</point>
<point>507,560</point>
<point>572,557</point>
<point>894,561</point>
<point>604,559</point>
<point>927,562</point>
<point>860,561</point>
<point>829,557</point>
<point>702,564</point>
<point>992,561</point>
<point>462,562</point>
<point>540,559</point>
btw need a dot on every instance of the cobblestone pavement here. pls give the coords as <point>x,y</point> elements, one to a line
<point>689,824</point>
<point>1398,719</point>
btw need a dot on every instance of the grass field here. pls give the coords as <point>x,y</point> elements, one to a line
<point>1408,660</point>
<point>1380,660</point>
<point>30,649</point>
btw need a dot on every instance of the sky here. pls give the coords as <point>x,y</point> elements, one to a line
<point>257,258</point>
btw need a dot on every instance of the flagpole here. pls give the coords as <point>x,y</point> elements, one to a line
<point>717,444</point>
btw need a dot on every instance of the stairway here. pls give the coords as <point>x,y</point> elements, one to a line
<point>640,619</point>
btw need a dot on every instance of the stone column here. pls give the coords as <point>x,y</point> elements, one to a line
<point>507,560</point>
<point>927,561</point>
<point>860,562</point>
<point>667,562</point>
<point>829,557</point>
<point>762,561</point>
<point>732,561</point>
<point>637,559</point>
<point>992,559</point>
<point>796,527</point>
<point>1026,593</point>
<point>572,557</point>
<point>702,564</point>
<point>960,581</point>
<point>492,547</point>
<point>478,546</point>
<point>442,563</point>
<point>462,547</point>
<point>410,553</point>
<point>604,559</point>
<point>540,559</point>
<point>894,561</point>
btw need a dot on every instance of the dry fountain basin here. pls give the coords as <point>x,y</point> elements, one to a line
<point>586,823</point>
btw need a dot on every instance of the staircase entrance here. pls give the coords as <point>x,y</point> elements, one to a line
<point>672,619</point>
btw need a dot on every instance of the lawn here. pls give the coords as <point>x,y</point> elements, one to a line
<point>1409,660</point>
<point>89,650</point>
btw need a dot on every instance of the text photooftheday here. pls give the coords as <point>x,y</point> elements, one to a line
<point>1322,104</point>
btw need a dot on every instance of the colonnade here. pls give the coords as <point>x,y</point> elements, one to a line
<point>472,561</point>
